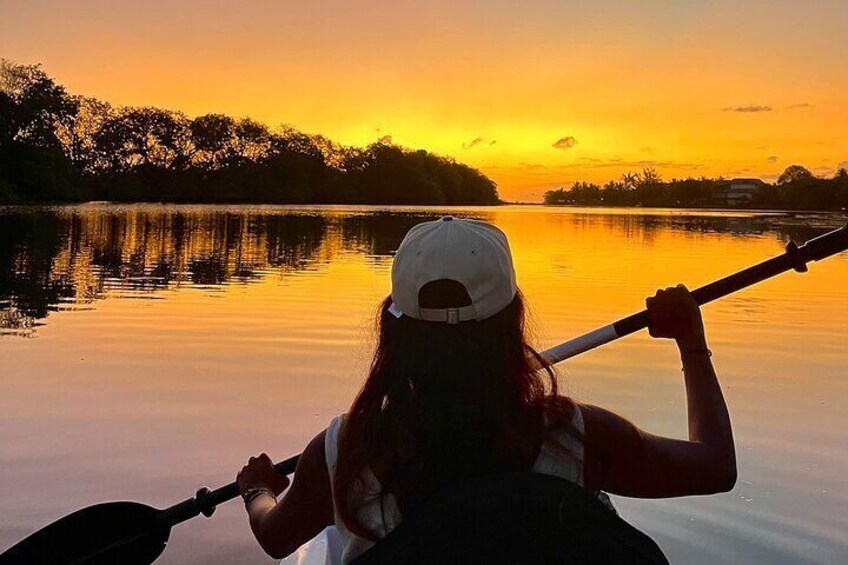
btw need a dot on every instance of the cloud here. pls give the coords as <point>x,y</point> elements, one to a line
<point>801,105</point>
<point>607,161</point>
<point>478,141</point>
<point>842,165</point>
<point>772,159</point>
<point>750,108</point>
<point>566,142</point>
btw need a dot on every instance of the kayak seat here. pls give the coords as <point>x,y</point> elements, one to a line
<point>521,518</point>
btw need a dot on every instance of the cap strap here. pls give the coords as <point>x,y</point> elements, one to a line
<point>449,315</point>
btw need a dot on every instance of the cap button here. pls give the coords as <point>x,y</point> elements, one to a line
<point>447,218</point>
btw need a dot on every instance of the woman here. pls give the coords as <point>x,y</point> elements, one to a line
<point>455,392</point>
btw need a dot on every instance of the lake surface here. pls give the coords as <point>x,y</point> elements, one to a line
<point>148,350</point>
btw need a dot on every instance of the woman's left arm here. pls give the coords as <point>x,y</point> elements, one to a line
<point>306,509</point>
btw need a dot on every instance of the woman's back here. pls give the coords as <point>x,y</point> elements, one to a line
<point>560,455</point>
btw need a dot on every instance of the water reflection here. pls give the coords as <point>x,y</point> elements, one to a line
<point>68,257</point>
<point>52,260</point>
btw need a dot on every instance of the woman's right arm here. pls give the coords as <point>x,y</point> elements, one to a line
<point>622,459</point>
<point>305,509</point>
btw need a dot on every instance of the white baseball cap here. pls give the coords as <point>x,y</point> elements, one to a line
<point>472,253</point>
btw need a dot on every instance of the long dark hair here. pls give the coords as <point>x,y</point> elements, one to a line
<point>444,403</point>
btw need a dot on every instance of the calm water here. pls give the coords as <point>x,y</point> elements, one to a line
<point>148,350</point>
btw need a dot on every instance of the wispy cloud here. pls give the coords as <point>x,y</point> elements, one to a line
<point>796,106</point>
<point>772,159</point>
<point>750,108</point>
<point>566,142</point>
<point>478,141</point>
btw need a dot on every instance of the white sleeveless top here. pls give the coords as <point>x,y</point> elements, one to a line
<point>561,455</point>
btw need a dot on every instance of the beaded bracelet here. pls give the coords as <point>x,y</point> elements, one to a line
<point>705,350</point>
<point>255,492</point>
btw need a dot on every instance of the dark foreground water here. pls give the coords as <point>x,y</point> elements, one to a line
<point>147,350</point>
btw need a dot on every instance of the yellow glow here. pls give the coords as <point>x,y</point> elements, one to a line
<point>635,86</point>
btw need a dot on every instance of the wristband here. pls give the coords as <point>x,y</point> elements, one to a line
<point>704,350</point>
<point>252,493</point>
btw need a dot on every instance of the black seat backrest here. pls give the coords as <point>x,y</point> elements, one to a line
<point>525,518</point>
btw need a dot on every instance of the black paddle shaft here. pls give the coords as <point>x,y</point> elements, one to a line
<point>205,501</point>
<point>795,257</point>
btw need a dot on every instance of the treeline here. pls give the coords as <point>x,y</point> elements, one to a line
<point>796,188</point>
<point>55,146</point>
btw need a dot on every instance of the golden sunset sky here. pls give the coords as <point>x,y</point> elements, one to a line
<point>537,94</point>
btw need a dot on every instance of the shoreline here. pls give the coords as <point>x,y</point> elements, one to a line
<point>528,206</point>
<point>432,206</point>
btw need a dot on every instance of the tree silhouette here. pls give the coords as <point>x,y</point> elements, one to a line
<point>211,136</point>
<point>33,164</point>
<point>794,173</point>
<point>58,147</point>
<point>650,176</point>
<point>136,137</point>
<point>796,189</point>
<point>630,180</point>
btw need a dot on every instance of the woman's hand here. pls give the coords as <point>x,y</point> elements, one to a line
<point>673,313</point>
<point>260,472</point>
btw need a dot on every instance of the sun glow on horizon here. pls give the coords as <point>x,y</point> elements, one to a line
<point>536,96</point>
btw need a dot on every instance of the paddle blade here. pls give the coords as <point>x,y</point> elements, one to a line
<point>115,532</point>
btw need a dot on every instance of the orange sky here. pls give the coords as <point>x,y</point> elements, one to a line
<point>494,84</point>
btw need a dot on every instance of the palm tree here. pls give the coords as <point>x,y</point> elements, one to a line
<point>650,176</point>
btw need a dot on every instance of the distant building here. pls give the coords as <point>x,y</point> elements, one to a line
<point>737,192</point>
